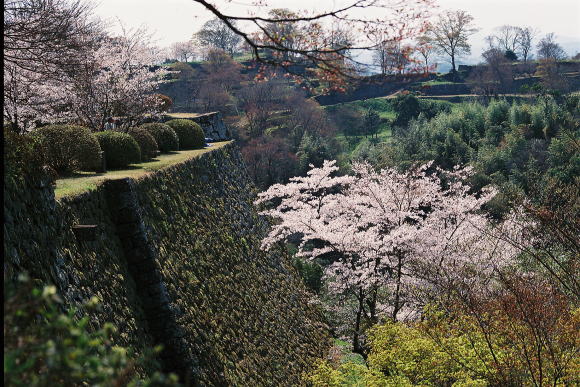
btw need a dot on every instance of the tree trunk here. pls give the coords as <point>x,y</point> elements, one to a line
<point>357,348</point>
<point>397,304</point>
<point>453,69</point>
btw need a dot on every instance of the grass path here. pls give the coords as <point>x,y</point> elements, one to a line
<point>84,181</point>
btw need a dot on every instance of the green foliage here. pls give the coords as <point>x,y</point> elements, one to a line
<point>408,106</point>
<point>564,156</point>
<point>505,143</point>
<point>453,350</point>
<point>165,136</point>
<point>405,351</point>
<point>190,134</point>
<point>46,347</point>
<point>371,122</point>
<point>520,115</point>
<point>120,148</point>
<point>311,273</point>
<point>23,154</point>
<point>312,150</point>
<point>146,141</point>
<point>497,112</point>
<point>349,374</point>
<point>510,55</point>
<point>423,142</point>
<point>70,147</point>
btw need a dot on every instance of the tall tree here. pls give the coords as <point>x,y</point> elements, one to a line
<point>392,57</point>
<point>499,70</point>
<point>450,33</point>
<point>183,51</point>
<point>385,233</point>
<point>526,37</point>
<point>548,48</point>
<point>218,34</point>
<point>117,78</point>
<point>507,38</point>
<point>48,36</point>
<point>44,40</point>
<point>425,49</point>
<point>371,123</point>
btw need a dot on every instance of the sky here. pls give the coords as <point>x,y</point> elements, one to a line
<point>177,20</point>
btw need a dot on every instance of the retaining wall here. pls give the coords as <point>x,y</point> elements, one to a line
<point>175,259</point>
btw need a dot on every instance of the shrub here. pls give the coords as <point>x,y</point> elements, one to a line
<point>45,346</point>
<point>190,134</point>
<point>120,149</point>
<point>146,142</point>
<point>70,147</point>
<point>165,136</point>
<point>520,115</point>
<point>23,154</point>
<point>497,112</point>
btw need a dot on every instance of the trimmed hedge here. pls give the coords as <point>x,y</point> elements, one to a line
<point>120,148</point>
<point>146,142</point>
<point>70,147</point>
<point>23,154</point>
<point>190,134</point>
<point>166,137</point>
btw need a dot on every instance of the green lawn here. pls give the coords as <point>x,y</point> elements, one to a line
<point>84,181</point>
<point>350,143</point>
<point>435,82</point>
<point>347,356</point>
<point>183,115</point>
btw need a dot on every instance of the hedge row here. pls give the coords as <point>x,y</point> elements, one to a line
<point>69,148</point>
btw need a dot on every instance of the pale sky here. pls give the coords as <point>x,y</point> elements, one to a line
<point>177,20</point>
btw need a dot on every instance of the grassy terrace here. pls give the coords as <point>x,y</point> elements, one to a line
<point>84,181</point>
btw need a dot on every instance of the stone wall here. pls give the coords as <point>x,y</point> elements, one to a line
<point>212,124</point>
<point>175,259</point>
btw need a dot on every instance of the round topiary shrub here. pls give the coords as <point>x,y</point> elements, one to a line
<point>190,133</point>
<point>146,142</point>
<point>166,137</point>
<point>70,147</point>
<point>24,155</point>
<point>120,148</point>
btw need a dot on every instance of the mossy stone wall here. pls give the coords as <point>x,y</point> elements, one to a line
<point>244,313</point>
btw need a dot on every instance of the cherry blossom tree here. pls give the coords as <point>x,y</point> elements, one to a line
<point>60,65</point>
<point>118,78</point>
<point>391,237</point>
<point>43,41</point>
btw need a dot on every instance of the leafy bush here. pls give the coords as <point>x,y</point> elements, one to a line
<point>453,350</point>
<point>311,273</point>
<point>497,112</point>
<point>190,134</point>
<point>408,106</point>
<point>146,142</point>
<point>23,154</point>
<point>120,148</point>
<point>70,147</point>
<point>165,136</point>
<point>46,347</point>
<point>520,114</point>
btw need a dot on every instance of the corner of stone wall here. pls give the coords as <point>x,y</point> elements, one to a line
<point>151,289</point>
